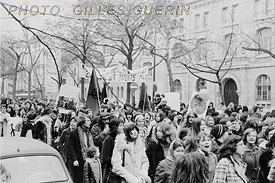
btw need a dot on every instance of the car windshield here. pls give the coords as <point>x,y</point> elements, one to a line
<point>34,169</point>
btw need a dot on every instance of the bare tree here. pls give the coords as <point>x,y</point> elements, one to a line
<point>12,54</point>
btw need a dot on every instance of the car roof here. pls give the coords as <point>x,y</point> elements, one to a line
<point>17,146</point>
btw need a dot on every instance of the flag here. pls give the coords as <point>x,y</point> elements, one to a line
<point>104,92</point>
<point>143,99</point>
<point>93,94</point>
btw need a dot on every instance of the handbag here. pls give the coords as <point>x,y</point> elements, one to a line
<point>114,178</point>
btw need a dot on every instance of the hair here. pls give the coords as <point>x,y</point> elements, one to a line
<point>161,115</point>
<point>269,129</point>
<point>195,127</point>
<point>3,171</point>
<point>204,134</point>
<point>191,168</point>
<point>177,143</point>
<point>191,144</point>
<point>271,143</point>
<point>46,111</point>
<point>168,133</point>
<point>139,116</point>
<point>229,147</point>
<point>251,123</point>
<point>19,111</point>
<point>80,120</point>
<point>247,132</point>
<point>183,132</point>
<point>207,119</point>
<point>149,115</point>
<point>171,116</point>
<point>91,152</point>
<point>245,108</point>
<point>127,130</point>
<point>128,112</point>
<point>113,126</point>
<point>188,124</point>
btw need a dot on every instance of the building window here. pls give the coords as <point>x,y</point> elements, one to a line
<point>202,49</point>
<point>122,92</point>
<point>205,20</point>
<point>257,8</point>
<point>263,88</point>
<point>181,25</point>
<point>117,92</point>
<point>234,13</point>
<point>264,38</point>
<point>230,44</point>
<point>269,7</point>
<point>149,65</point>
<point>197,21</point>
<point>63,81</point>
<point>224,15</point>
<point>178,87</point>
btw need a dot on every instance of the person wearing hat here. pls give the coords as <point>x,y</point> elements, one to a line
<point>100,130</point>
<point>29,125</point>
<point>219,134</point>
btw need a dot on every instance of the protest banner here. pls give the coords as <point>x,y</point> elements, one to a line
<point>198,105</point>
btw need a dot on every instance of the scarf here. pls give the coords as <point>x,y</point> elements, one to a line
<point>240,169</point>
<point>96,169</point>
<point>86,140</point>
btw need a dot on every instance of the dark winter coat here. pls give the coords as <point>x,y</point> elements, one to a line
<point>163,171</point>
<point>98,135</point>
<point>155,154</point>
<point>28,126</point>
<point>75,154</point>
<point>106,155</point>
<point>264,160</point>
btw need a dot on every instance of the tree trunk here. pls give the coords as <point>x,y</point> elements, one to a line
<point>221,91</point>
<point>130,67</point>
<point>29,84</point>
<point>3,86</point>
<point>170,77</point>
<point>15,80</point>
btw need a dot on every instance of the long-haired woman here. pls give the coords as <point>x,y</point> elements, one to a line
<point>231,168</point>
<point>191,168</point>
<point>157,149</point>
<point>115,128</point>
<point>164,169</point>
<point>130,150</point>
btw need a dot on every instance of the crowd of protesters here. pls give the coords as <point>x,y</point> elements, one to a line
<point>120,143</point>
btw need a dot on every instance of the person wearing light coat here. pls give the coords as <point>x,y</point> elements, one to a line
<point>136,163</point>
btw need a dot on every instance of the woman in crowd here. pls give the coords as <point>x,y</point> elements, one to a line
<point>44,127</point>
<point>196,127</point>
<point>189,119</point>
<point>165,167</point>
<point>205,142</point>
<point>129,116</point>
<point>219,134</point>
<point>209,121</point>
<point>148,118</point>
<point>190,168</point>
<point>157,149</point>
<point>140,121</point>
<point>130,150</point>
<point>231,168</point>
<point>115,128</point>
<point>251,154</point>
<point>264,160</point>
<point>11,111</point>
<point>159,117</point>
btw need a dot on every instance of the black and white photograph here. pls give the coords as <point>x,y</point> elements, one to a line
<point>135,91</point>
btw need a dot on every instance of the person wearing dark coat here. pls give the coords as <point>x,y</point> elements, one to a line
<point>100,130</point>
<point>29,125</point>
<point>63,142</point>
<point>80,140</point>
<point>115,128</point>
<point>157,149</point>
<point>265,159</point>
<point>165,167</point>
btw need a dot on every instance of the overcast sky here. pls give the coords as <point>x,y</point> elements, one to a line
<point>10,27</point>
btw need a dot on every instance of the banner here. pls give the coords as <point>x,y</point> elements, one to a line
<point>173,100</point>
<point>119,74</point>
